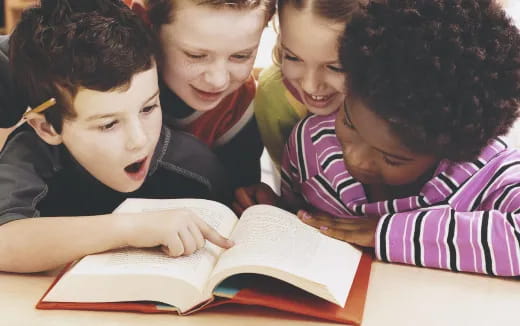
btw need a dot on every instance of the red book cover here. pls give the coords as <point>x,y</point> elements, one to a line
<point>267,293</point>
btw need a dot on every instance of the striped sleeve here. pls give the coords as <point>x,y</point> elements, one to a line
<point>486,242</point>
<point>478,232</point>
<point>290,176</point>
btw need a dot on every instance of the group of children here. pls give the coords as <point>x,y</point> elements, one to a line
<point>383,116</point>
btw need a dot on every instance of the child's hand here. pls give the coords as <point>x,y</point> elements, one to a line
<point>259,193</point>
<point>357,230</point>
<point>178,231</point>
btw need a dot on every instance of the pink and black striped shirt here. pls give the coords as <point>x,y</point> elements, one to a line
<point>466,218</point>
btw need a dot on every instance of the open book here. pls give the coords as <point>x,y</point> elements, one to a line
<point>268,241</point>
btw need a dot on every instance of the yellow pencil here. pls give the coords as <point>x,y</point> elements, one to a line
<point>42,107</point>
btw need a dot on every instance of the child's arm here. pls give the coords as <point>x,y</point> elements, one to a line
<point>259,193</point>
<point>484,241</point>
<point>482,236</point>
<point>479,232</point>
<point>29,243</point>
<point>38,244</point>
<point>263,194</point>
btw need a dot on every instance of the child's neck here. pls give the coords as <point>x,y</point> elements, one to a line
<point>381,192</point>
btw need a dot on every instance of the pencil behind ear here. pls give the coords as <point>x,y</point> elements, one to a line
<point>44,129</point>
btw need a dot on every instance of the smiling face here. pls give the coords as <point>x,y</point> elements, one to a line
<point>115,133</point>
<point>208,53</point>
<point>372,153</point>
<point>310,59</point>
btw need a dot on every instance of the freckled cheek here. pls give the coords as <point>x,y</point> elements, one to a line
<point>239,72</point>
<point>177,69</point>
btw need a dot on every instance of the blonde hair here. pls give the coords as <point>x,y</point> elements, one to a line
<point>338,11</point>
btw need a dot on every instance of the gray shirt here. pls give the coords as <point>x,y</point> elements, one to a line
<point>10,108</point>
<point>38,179</point>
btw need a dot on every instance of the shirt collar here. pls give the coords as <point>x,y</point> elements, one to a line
<point>160,149</point>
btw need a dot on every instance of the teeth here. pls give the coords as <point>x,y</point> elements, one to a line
<point>318,98</point>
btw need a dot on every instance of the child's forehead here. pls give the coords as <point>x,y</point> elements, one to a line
<point>141,89</point>
<point>373,128</point>
<point>230,29</point>
<point>203,10</point>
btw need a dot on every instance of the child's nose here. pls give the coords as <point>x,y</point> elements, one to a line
<point>217,77</point>
<point>311,82</point>
<point>136,139</point>
<point>359,157</point>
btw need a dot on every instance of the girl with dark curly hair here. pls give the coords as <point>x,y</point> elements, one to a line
<point>411,165</point>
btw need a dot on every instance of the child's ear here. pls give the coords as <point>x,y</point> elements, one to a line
<point>44,129</point>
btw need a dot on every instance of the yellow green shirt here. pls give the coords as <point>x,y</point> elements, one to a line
<point>277,110</point>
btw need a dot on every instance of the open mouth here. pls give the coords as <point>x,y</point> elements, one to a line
<point>136,169</point>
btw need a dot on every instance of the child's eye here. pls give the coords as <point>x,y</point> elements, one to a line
<point>290,57</point>
<point>195,56</point>
<point>242,57</point>
<point>108,126</point>
<point>149,109</point>
<point>338,69</point>
<point>391,162</point>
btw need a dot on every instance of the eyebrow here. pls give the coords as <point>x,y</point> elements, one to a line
<point>188,48</point>
<point>109,115</point>
<point>334,62</point>
<point>402,158</point>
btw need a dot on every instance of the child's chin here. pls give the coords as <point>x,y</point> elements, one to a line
<point>126,187</point>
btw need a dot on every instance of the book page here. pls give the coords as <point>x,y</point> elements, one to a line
<point>194,269</point>
<point>142,274</point>
<point>268,237</point>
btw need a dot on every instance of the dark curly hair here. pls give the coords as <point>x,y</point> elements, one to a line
<point>445,74</point>
<point>64,45</point>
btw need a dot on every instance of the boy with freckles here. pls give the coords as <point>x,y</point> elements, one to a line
<point>208,48</point>
<point>102,142</point>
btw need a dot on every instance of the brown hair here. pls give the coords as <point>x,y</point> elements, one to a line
<point>338,11</point>
<point>62,46</point>
<point>161,12</point>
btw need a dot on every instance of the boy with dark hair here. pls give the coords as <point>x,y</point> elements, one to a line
<point>103,141</point>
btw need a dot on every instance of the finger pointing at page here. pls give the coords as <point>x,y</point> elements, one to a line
<point>213,236</point>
